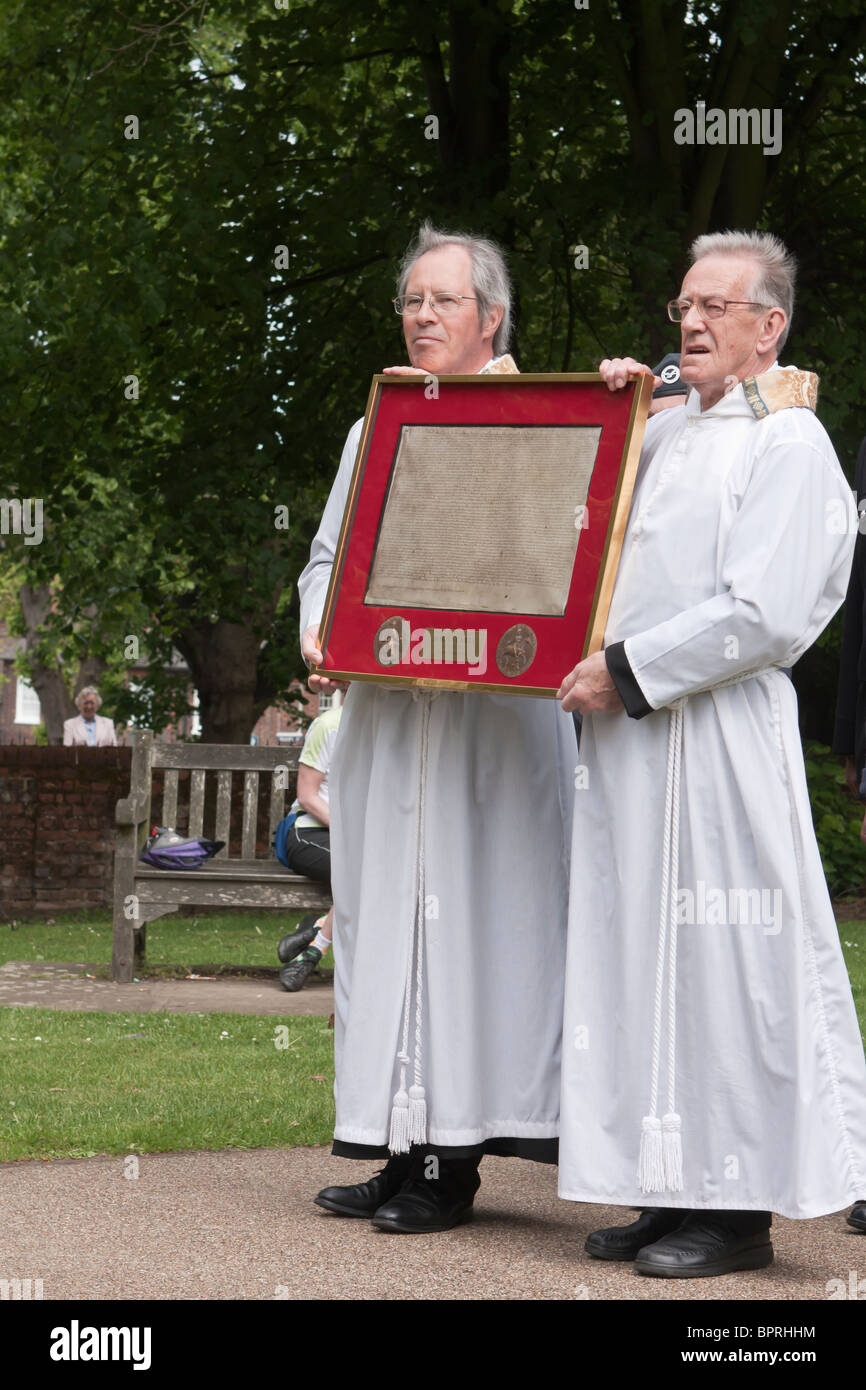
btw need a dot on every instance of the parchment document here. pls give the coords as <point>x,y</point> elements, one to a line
<point>483,517</point>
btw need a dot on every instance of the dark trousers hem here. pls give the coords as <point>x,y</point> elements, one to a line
<point>536,1150</point>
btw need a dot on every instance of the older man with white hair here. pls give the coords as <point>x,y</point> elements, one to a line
<point>713,1063</point>
<point>87,727</point>
<point>448,1010</point>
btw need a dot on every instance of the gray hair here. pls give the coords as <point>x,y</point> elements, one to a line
<point>776,275</point>
<point>490,279</point>
<point>82,695</point>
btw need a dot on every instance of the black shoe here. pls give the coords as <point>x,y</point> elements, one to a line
<point>624,1242</point>
<point>857,1217</point>
<point>293,945</point>
<point>427,1205</point>
<point>293,977</point>
<point>366,1197</point>
<point>703,1246</point>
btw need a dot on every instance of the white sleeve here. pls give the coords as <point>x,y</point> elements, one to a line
<point>785,572</point>
<point>313,583</point>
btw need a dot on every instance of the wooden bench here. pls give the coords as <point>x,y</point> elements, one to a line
<point>141,894</point>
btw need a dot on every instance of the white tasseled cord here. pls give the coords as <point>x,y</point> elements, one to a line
<point>417,1097</point>
<point>672,1147</point>
<point>409,1108</point>
<point>398,1139</point>
<point>651,1172</point>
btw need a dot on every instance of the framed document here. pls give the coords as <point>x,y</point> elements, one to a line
<point>482,530</point>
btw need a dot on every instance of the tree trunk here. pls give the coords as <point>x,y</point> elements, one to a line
<point>471,103</point>
<point>47,681</point>
<point>223,661</point>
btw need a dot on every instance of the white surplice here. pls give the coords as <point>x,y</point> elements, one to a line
<point>735,558</point>
<point>497,803</point>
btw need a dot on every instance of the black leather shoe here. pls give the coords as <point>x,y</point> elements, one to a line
<point>366,1197</point>
<point>624,1242</point>
<point>425,1205</point>
<point>703,1246</point>
<point>293,945</point>
<point>857,1217</point>
<point>293,977</point>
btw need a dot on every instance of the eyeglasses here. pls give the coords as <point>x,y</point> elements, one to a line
<point>707,308</point>
<point>443,302</point>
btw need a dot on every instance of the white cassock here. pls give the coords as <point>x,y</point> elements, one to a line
<point>735,558</point>
<point>492,862</point>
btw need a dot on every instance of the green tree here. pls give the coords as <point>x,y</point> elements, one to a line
<point>194,300</point>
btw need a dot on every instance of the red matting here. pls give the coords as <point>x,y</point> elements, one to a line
<point>350,626</point>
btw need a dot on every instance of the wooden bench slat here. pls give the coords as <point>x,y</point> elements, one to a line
<point>251,813</point>
<point>278,801</point>
<point>169,800</point>
<point>215,757</point>
<point>224,869</point>
<point>196,802</point>
<point>306,895</point>
<point>223,809</point>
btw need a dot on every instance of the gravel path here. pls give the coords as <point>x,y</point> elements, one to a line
<point>242,1225</point>
<point>52,985</point>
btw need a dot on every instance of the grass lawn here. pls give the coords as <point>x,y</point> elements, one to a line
<point>853,937</point>
<point>76,1084</point>
<point>230,938</point>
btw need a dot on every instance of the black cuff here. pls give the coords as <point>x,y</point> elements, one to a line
<point>623,678</point>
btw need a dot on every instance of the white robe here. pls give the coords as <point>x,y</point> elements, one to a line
<point>733,562</point>
<point>497,815</point>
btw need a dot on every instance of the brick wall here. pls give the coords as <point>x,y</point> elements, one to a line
<point>57,824</point>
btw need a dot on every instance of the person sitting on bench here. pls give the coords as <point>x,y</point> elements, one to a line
<point>308,849</point>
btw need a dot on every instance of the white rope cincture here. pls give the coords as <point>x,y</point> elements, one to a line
<point>672,1146</point>
<point>660,1162</point>
<point>409,1108</point>
<point>651,1162</point>
<point>417,1097</point>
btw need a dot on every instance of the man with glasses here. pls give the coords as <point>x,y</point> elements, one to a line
<point>712,1060</point>
<point>454,1004</point>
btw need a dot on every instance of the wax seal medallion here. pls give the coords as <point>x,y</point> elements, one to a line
<point>515,651</point>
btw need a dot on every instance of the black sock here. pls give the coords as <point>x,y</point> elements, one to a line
<point>744,1223</point>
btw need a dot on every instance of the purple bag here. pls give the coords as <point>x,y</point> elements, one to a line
<point>166,849</point>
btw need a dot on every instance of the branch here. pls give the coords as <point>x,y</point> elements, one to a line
<point>154,32</point>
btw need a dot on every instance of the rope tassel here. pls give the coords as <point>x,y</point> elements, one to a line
<point>672,1151</point>
<point>651,1172</point>
<point>398,1139</point>
<point>417,1115</point>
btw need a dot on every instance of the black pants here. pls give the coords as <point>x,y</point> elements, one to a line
<point>538,1150</point>
<point>745,1223</point>
<point>308,850</point>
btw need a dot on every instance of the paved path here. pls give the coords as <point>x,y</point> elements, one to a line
<point>241,1225</point>
<point>51,985</point>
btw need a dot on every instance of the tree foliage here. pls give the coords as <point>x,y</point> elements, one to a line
<point>194,300</point>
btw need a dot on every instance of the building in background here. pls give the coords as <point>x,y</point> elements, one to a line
<point>20,714</point>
